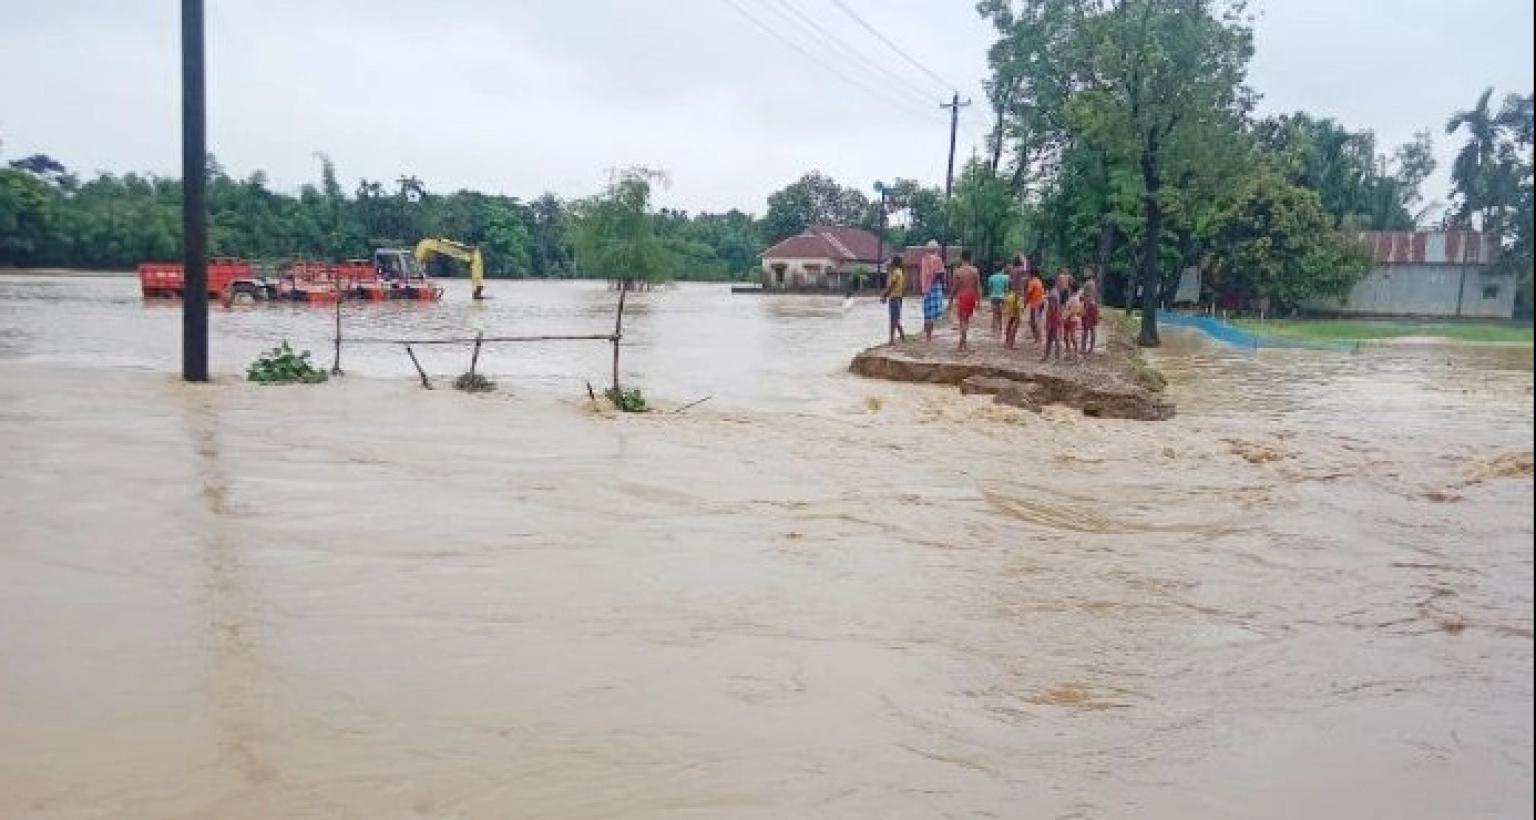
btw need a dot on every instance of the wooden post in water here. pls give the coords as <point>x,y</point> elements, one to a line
<point>474,358</point>
<point>618,334</point>
<point>424,381</point>
<point>336,363</point>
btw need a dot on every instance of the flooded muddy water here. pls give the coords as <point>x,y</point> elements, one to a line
<point>1308,595</point>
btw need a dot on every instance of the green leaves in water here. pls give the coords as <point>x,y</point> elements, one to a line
<point>281,365</point>
<point>628,401</point>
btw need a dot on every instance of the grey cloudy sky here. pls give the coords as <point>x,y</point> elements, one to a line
<point>524,96</point>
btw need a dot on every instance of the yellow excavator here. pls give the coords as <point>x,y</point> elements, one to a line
<point>455,250</point>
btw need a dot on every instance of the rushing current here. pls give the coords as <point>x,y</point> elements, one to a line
<point>1309,595</point>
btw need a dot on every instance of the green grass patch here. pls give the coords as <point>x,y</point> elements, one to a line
<point>1357,330</point>
<point>1137,368</point>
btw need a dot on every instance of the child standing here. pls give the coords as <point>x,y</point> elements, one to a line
<point>1013,311</point>
<point>1055,320</point>
<point>1073,324</point>
<point>896,285</point>
<point>1034,302</point>
<point>997,292</point>
<point>1090,320</point>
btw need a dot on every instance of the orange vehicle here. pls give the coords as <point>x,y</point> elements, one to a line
<point>166,279</point>
<point>390,274</point>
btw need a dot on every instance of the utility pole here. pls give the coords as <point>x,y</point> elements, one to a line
<point>194,197</point>
<point>954,105</point>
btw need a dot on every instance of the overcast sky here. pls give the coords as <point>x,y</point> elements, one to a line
<point>524,96</point>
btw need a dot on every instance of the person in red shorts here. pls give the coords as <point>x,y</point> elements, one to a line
<point>1055,324</point>
<point>967,294</point>
<point>1090,330</point>
<point>1073,330</point>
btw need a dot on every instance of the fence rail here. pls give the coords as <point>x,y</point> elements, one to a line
<point>480,339</point>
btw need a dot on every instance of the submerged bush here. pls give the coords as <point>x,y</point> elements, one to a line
<point>474,383</point>
<point>628,401</point>
<point>281,365</point>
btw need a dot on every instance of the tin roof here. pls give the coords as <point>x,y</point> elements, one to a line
<point>1455,247</point>
<point>828,242</point>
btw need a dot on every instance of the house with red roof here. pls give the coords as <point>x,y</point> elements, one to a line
<point>823,257</point>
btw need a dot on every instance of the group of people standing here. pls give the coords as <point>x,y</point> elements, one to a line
<point>1061,316</point>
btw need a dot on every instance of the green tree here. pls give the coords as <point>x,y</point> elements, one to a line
<point>26,217</point>
<point>1033,63</point>
<point>505,240</point>
<point>1162,84</point>
<point>614,233</point>
<point>982,210</point>
<point>734,237</point>
<point>814,199</point>
<point>1474,171</point>
<point>920,210</point>
<point>1512,192</point>
<point>550,253</point>
<point>1274,239</point>
<point>1491,178</point>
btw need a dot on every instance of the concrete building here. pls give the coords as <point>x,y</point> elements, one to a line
<point>1439,274</point>
<point>824,257</point>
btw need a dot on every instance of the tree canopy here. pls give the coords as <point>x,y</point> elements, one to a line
<point>1125,132</point>
<point>50,218</point>
<point>1492,178</point>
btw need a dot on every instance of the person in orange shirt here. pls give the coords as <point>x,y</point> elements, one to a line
<point>1034,302</point>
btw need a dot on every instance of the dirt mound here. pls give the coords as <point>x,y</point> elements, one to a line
<point>1099,386</point>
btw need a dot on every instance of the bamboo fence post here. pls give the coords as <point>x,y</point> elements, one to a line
<point>618,333</point>
<point>424,381</point>
<point>336,363</point>
<point>474,358</point>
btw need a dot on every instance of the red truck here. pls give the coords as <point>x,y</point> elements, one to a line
<point>165,279</point>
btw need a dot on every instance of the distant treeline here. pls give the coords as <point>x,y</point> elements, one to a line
<point>50,217</point>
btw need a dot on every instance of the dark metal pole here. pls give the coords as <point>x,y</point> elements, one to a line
<point>880,240</point>
<point>194,197</point>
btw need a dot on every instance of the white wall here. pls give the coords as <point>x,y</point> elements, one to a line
<point>1429,290</point>
<point>796,274</point>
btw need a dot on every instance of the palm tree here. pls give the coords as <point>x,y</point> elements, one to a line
<point>1515,118</point>
<point>1473,172</point>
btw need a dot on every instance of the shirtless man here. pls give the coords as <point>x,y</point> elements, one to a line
<point>967,294</point>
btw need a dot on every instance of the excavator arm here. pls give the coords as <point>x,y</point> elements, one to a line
<point>454,250</point>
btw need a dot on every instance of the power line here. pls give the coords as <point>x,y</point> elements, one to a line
<point>813,57</point>
<point>896,48</point>
<point>833,41</point>
<point>809,27</point>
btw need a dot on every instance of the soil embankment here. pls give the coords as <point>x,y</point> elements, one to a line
<point>1112,382</point>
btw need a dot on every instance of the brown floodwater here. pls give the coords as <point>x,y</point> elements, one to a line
<point>1307,596</point>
